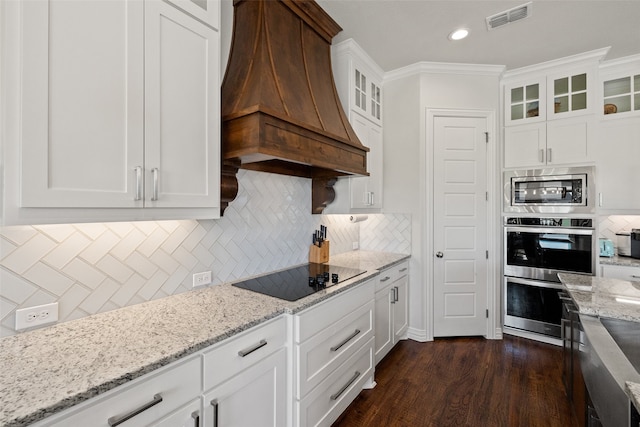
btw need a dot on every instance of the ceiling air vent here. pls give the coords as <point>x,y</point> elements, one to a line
<point>509,16</point>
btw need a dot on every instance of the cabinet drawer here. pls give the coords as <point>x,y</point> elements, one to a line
<point>238,353</point>
<point>176,386</point>
<point>392,274</point>
<point>315,319</point>
<point>321,354</point>
<point>621,272</point>
<point>327,401</point>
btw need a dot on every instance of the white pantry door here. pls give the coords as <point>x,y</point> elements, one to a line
<point>460,226</point>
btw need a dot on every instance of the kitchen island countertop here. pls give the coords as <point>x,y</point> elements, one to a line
<point>606,297</point>
<point>47,370</point>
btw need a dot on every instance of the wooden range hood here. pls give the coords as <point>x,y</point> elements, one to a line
<point>280,108</point>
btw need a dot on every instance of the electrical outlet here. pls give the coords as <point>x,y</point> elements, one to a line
<point>201,279</point>
<point>36,316</point>
<point>355,245</point>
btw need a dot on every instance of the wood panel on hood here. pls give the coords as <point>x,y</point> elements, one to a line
<point>280,108</point>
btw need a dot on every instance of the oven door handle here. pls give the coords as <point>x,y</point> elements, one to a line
<point>551,230</point>
<point>538,283</point>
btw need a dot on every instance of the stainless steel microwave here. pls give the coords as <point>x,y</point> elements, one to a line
<point>552,190</point>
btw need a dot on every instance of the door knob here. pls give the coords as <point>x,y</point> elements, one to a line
<point>439,254</point>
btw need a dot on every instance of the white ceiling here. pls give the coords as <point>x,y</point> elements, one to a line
<point>397,33</point>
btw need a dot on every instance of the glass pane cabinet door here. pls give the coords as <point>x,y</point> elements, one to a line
<point>375,101</point>
<point>524,102</point>
<point>622,95</point>
<point>570,93</point>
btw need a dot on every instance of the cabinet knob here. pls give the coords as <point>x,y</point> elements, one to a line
<point>439,254</point>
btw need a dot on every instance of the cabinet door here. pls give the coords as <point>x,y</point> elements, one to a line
<point>525,102</point>
<point>182,109</point>
<point>400,308</point>
<point>570,93</point>
<point>208,11</point>
<point>255,397</point>
<point>621,272</point>
<point>525,146</point>
<point>82,103</point>
<point>143,401</point>
<point>383,323</point>
<point>187,416</point>
<point>366,192</point>
<point>568,141</point>
<point>616,166</point>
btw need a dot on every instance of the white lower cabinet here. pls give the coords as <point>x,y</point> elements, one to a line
<point>158,398</point>
<point>189,415</point>
<point>333,355</point>
<point>245,379</point>
<point>255,397</point>
<point>621,272</point>
<point>391,308</point>
<point>292,371</point>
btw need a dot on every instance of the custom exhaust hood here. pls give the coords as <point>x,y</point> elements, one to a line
<point>280,108</point>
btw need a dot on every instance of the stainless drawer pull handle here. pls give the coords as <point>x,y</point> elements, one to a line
<point>385,279</point>
<point>214,403</point>
<point>402,270</point>
<point>349,338</point>
<point>395,293</point>
<point>393,297</point>
<point>154,197</point>
<point>355,376</point>
<point>117,420</point>
<point>635,276</point>
<point>243,353</point>
<point>196,418</point>
<point>138,170</point>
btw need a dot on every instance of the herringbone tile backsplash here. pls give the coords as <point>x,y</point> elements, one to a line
<point>91,268</point>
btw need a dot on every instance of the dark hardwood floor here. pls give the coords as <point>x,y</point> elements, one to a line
<point>465,382</point>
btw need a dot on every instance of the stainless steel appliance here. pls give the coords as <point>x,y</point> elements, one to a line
<point>535,251</point>
<point>635,243</point>
<point>551,191</point>
<point>623,240</point>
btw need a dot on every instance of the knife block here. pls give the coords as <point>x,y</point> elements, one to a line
<point>319,254</point>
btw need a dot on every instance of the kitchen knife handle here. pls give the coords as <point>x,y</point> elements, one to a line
<point>138,195</point>
<point>117,420</point>
<point>155,174</point>
<point>349,338</point>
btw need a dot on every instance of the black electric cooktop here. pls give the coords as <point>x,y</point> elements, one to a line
<point>298,282</point>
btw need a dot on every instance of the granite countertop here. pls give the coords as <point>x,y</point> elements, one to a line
<point>624,261</point>
<point>606,297</point>
<point>47,370</point>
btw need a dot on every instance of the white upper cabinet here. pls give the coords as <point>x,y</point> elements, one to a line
<point>525,102</point>
<point>620,84</point>
<point>359,83</point>
<point>549,112</point>
<point>119,109</point>
<point>208,11</point>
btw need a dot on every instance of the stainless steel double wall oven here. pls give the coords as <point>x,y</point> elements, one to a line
<point>549,230</point>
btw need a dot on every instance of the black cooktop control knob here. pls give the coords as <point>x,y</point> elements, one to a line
<point>334,278</point>
<point>312,281</point>
<point>320,280</point>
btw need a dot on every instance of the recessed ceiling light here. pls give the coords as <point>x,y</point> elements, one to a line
<point>459,34</point>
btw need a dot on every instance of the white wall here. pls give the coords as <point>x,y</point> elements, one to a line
<point>408,93</point>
